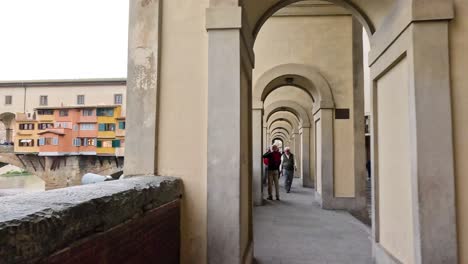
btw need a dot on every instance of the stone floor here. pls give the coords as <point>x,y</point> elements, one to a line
<point>296,231</point>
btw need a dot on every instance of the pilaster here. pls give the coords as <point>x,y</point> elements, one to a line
<point>229,226</point>
<point>143,88</point>
<point>305,153</point>
<point>257,151</point>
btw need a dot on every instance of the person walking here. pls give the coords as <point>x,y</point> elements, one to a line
<point>288,166</point>
<point>274,162</point>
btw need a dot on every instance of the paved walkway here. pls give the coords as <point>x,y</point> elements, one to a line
<point>296,231</point>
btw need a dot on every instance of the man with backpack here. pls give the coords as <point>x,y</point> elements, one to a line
<point>274,162</point>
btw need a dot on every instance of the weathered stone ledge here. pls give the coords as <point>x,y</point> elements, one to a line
<point>35,225</point>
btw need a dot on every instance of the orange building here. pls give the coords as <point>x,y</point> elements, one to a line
<point>73,130</point>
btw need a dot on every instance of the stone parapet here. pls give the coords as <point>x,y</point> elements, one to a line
<point>47,226</point>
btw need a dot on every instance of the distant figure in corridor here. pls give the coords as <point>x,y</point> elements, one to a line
<point>274,162</point>
<point>288,166</point>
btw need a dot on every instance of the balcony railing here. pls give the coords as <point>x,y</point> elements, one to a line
<point>124,221</point>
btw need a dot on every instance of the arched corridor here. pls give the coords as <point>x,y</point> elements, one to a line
<point>298,94</point>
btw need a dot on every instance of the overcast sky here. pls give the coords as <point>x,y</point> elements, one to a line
<point>63,39</point>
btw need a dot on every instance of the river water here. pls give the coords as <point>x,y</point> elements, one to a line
<point>12,185</point>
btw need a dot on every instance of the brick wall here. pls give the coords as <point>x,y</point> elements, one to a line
<point>152,238</point>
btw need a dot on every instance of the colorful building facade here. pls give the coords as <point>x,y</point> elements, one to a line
<point>75,130</point>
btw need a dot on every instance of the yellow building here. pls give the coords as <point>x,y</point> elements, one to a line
<point>26,138</point>
<point>120,135</point>
<point>107,123</point>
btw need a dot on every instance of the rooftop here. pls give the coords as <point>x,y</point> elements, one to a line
<point>75,107</point>
<point>64,82</point>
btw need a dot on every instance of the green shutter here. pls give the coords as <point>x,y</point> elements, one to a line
<point>116,143</point>
<point>99,144</point>
<point>102,127</point>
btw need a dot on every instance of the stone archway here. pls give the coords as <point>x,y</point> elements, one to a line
<point>282,125</point>
<point>293,121</point>
<point>302,76</point>
<point>304,133</point>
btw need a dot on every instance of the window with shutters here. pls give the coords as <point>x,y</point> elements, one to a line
<point>104,143</point>
<point>87,126</point>
<point>8,99</point>
<point>43,100</point>
<point>122,125</point>
<point>90,141</point>
<point>26,126</point>
<point>118,99</point>
<point>87,112</point>
<point>80,99</point>
<point>44,126</point>
<point>107,127</point>
<point>45,112</point>
<point>62,125</point>
<point>105,112</point>
<point>116,143</point>
<point>76,142</point>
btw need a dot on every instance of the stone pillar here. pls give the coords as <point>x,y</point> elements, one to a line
<point>142,88</point>
<point>326,175</point>
<point>298,153</point>
<point>305,153</point>
<point>9,135</point>
<point>360,173</point>
<point>229,204</point>
<point>257,151</point>
<point>431,150</point>
<point>433,200</point>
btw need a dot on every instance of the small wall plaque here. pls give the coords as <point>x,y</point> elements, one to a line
<point>342,113</point>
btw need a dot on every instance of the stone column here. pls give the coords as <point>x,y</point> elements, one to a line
<point>431,150</point>
<point>298,153</point>
<point>142,88</point>
<point>325,197</point>
<point>229,203</point>
<point>257,151</point>
<point>9,135</point>
<point>305,153</point>
<point>433,201</point>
